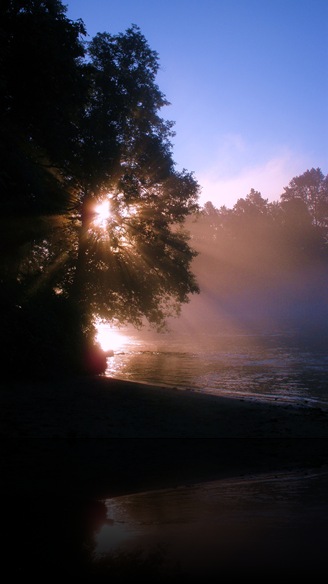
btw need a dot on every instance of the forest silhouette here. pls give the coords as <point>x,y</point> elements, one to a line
<point>264,265</point>
<point>80,123</point>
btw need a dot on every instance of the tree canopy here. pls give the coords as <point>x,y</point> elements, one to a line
<point>81,126</point>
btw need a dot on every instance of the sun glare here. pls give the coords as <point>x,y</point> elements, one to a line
<point>110,339</point>
<point>102,211</point>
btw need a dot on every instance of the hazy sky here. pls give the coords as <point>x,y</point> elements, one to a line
<point>247,81</point>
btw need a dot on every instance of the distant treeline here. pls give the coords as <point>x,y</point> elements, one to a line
<point>262,262</point>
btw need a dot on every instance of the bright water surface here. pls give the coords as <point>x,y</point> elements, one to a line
<point>280,367</point>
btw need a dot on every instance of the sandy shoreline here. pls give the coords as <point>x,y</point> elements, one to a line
<point>100,436</point>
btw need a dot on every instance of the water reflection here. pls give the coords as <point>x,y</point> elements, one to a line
<point>270,521</point>
<point>261,524</point>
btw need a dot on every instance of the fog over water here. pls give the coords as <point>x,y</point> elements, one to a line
<point>247,354</point>
<point>259,326</point>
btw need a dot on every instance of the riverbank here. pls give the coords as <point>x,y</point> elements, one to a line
<point>71,449</point>
<point>98,437</point>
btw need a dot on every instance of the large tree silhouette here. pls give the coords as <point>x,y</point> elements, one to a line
<point>138,265</point>
<point>80,125</point>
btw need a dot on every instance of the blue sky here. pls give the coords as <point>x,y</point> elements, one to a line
<point>247,81</point>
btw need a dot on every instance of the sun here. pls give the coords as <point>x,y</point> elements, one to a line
<point>102,213</point>
<point>110,339</point>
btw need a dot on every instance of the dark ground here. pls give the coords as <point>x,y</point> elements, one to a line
<point>69,444</point>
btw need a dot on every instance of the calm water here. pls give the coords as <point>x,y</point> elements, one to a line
<point>251,525</point>
<point>263,367</point>
<point>229,527</point>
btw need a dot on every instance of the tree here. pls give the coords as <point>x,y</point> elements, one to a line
<point>139,264</point>
<point>311,187</point>
<point>43,89</point>
<point>89,132</point>
<point>43,92</point>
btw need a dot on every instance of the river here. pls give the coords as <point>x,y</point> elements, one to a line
<point>269,366</point>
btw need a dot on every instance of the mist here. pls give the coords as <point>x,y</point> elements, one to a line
<point>261,268</point>
<point>295,303</point>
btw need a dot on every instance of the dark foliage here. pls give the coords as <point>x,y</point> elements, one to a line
<point>78,121</point>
